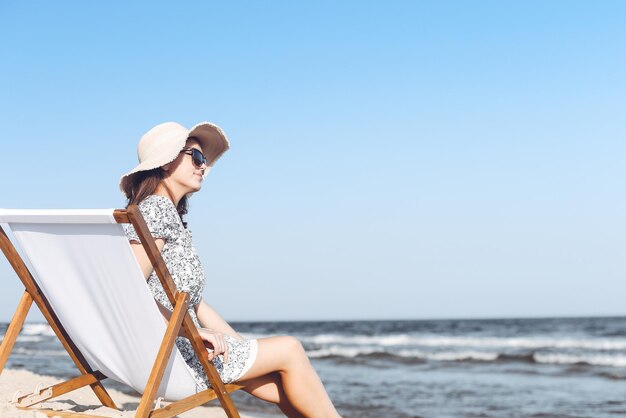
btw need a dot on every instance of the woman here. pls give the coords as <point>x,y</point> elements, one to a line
<point>172,164</point>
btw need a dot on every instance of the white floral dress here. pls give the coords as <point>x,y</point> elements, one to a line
<point>184,265</point>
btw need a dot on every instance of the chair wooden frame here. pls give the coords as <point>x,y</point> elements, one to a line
<point>179,319</point>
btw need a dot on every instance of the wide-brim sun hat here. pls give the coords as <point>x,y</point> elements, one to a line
<point>162,144</point>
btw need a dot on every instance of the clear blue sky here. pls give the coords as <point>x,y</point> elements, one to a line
<point>389,159</point>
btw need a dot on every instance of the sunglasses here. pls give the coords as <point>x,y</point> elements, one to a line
<point>197,157</point>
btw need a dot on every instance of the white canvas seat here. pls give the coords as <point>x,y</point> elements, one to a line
<point>82,264</point>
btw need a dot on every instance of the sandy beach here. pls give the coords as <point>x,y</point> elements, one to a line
<point>82,400</point>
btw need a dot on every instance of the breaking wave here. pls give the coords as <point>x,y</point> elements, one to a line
<point>474,342</point>
<point>605,360</point>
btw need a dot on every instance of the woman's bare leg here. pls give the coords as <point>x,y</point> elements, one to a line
<point>301,384</point>
<point>270,388</point>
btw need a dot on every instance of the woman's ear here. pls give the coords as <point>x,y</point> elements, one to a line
<point>166,167</point>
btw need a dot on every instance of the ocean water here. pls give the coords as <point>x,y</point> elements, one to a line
<point>555,367</point>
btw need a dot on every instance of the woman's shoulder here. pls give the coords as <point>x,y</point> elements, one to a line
<point>155,201</point>
<point>160,216</point>
<point>156,207</point>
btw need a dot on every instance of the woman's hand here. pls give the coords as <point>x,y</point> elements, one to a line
<point>215,341</point>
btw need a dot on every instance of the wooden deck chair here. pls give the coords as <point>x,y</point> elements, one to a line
<point>79,269</point>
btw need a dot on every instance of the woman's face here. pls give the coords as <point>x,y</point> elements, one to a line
<point>182,174</point>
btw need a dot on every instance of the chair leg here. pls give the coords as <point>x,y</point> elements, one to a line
<point>14,328</point>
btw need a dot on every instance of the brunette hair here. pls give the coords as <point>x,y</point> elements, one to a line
<point>142,184</point>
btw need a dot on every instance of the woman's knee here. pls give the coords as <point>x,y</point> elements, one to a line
<point>295,348</point>
<point>278,354</point>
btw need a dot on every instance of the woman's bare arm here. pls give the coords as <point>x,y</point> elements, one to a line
<point>209,318</point>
